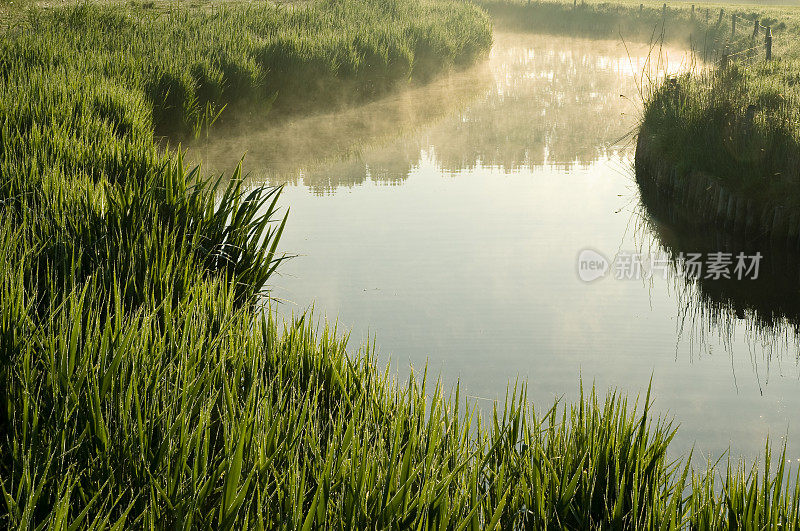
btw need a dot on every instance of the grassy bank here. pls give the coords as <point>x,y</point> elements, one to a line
<point>738,124</point>
<point>142,386</point>
<point>189,63</point>
<point>130,285</point>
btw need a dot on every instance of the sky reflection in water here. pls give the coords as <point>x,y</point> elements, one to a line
<point>445,222</point>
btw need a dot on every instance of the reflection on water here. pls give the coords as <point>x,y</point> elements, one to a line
<point>533,102</point>
<point>503,174</point>
<point>766,308</point>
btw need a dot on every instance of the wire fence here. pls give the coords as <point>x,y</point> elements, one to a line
<point>748,42</point>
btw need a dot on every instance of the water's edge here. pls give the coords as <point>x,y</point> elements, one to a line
<point>700,199</point>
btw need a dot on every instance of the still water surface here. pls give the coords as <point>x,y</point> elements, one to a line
<point>445,222</point>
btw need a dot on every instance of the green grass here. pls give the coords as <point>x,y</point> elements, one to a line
<point>738,124</point>
<point>187,64</point>
<point>142,385</point>
<point>608,20</point>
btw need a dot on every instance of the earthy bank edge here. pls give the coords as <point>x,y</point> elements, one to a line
<point>691,212</point>
<point>700,200</point>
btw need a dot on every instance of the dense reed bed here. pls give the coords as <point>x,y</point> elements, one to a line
<point>188,64</point>
<point>142,385</point>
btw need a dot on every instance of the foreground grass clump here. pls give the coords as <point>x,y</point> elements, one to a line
<point>201,414</point>
<point>205,415</point>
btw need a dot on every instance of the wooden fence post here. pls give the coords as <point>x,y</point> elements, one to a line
<point>721,14</point>
<point>664,11</point>
<point>768,43</point>
<point>707,15</point>
<point>755,29</point>
<point>641,8</point>
<point>733,25</point>
<point>724,63</point>
<point>692,12</point>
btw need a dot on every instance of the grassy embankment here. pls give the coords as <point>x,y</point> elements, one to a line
<point>740,127</point>
<point>141,385</point>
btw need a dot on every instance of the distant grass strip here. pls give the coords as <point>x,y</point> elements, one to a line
<point>605,20</point>
<point>189,63</point>
<point>702,30</point>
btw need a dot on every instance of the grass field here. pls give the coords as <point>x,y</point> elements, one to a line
<point>142,385</point>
